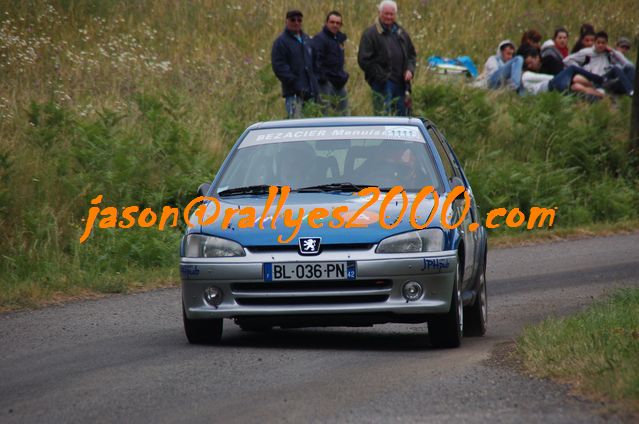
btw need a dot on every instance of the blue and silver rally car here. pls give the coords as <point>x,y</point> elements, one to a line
<point>327,253</point>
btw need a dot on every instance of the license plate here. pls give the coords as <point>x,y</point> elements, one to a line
<point>310,271</point>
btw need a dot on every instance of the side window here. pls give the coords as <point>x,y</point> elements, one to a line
<point>458,172</point>
<point>443,154</point>
<point>453,158</point>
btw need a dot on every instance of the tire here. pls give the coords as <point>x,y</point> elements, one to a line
<point>202,331</point>
<point>445,331</point>
<point>476,315</point>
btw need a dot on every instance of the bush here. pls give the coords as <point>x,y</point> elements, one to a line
<point>147,158</point>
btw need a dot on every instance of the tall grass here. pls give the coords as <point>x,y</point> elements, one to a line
<point>140,100</point>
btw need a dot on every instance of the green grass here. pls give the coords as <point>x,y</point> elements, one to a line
<point>141,100</point>
<point>597,351</point>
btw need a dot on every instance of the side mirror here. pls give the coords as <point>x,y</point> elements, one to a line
<point>203,189</point>
<point>456,182</point>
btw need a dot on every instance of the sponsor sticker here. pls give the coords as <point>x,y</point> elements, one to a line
<point>437,264</point>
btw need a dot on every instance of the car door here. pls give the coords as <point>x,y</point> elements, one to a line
<point>453,170</point>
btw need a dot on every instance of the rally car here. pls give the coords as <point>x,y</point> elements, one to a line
<point>259,254</point>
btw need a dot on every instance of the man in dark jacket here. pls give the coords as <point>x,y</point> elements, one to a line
<point>329,50</point>
<point>387,57</point>
<point>292,59</point>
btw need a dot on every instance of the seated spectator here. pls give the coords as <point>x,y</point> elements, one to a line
<point>586,38</point>
<point>607,62</point>
<point>502,69</point>
<point>505,51</point>
<point>623,46</point>
<point>572,79</point>
<point>553,53</point>
<point>531,38</point>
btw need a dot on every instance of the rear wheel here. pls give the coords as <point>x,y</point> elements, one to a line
<point>202,331</point>
<point>476,315</point>
<point>446,331</point>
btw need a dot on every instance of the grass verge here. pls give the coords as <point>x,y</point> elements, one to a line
<point>595,351</point>
<point>35,294</point>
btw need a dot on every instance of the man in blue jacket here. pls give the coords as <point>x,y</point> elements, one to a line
<point>292,59</point>
<point>329,49</point>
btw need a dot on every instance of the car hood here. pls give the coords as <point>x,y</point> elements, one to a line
<point>254,236</point>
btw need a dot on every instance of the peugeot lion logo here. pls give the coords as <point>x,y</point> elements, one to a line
<point>310,245</point>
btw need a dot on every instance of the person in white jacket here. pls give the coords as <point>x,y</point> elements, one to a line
<point>502,68</point>
<point>604,61</point>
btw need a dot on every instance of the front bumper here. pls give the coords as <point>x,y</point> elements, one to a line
<point>377,288</point>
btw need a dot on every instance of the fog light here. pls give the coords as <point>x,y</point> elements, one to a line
<point>412,291</point>
<point>213,296</point>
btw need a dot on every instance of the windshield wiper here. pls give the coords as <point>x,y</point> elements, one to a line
<point>345,186</point>
<point>254,189</point>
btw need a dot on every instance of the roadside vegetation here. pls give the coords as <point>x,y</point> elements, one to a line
<point>140,101</point>
<point>595,351</point>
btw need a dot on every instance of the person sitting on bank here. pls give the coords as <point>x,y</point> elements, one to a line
<point>553,52</point>
<point>586,38</point>
<point>332,78</point>
<point>530,38</point>
<point>607,62</point>
<point>572,79</point>
<point>502,69</point>
<point>623,46</point>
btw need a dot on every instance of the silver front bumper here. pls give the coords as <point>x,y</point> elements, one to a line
<point>381,276</point>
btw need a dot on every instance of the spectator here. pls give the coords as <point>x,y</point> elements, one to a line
<point>387,57</point>
<point>571,79</point>
<point>623,46</point>
<point>530,38</point>
<point>329,49</point>
<point>505,52</point>
<point>503,69</point>
<point>586,38</point>
<point>553,53</point>
<point>293,64</point>
<point>607,62</point>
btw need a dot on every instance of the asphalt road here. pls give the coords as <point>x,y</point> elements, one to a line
<point>125,358</point>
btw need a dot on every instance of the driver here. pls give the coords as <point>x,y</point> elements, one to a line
<point>295,165</point>
<point>400,167</point>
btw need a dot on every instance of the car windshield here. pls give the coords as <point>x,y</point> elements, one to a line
<point>325,160</point>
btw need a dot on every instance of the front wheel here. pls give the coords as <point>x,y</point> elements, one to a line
<point>202,331</point>
<point>476,315</point>
<point>446,331</point>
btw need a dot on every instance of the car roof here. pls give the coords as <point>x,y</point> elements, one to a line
<point>337,121</point>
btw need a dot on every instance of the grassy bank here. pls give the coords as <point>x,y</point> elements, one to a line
<point>140,101</point>
<point>596,351</point>
<point>548,151</point>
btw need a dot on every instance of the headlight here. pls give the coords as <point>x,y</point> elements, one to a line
<point>201,246</point>
<point>428,240</point>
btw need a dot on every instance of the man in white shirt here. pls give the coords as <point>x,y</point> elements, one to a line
<point>602,60</point>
